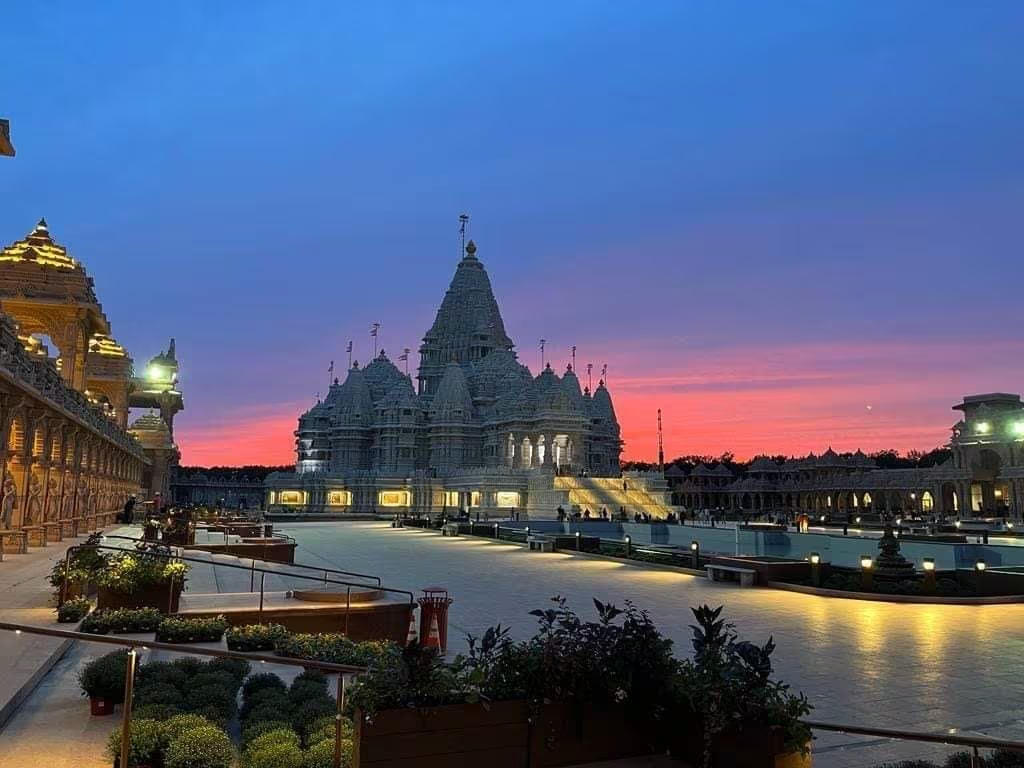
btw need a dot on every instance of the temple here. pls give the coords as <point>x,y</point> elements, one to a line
<point>478,431</point>
<point>50,303</point>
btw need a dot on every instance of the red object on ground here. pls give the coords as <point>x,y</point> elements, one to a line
<point>434,615</point>
<point>433,640</point>
<point>411,638</point>
<point>101,707</point>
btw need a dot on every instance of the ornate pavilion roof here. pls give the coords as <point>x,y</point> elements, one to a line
<point>39,247</point>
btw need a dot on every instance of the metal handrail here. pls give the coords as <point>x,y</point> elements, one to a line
<point>136,645</point>
<point>982,742</point>
<point>285,565</point>
<point>250,569</point>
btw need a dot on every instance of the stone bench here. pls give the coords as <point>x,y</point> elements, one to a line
<point>540,544</point>
<point>15,542</point>
<point>745,576</point>
<point>450,529</point>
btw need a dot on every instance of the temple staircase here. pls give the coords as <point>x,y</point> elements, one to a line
<point>646,494</point>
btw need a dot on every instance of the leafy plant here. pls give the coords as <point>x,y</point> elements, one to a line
<point>260,682</point>
<point>175,630</point>
<point>104,678</point>
<point>122,620</point>
<point>321,754</point>
<point>255,637</point>
<point>133,572</point>
<point>337,649</point>
<point>728,685</point>
<point>73,610</point>
<point>416,678</point>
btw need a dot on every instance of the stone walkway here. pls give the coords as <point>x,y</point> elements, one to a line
<point>920,667</point>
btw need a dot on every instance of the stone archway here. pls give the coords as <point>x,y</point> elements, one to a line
<point>988,492</point>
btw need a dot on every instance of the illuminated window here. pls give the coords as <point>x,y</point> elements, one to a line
<point>474,499</point>
<point>927,503</point>
<point>507,498</point>
<point>339,498</point>
<point>393,498</point>
<point>867,499</point>
<point>292,497</point>
<point>451,498</point>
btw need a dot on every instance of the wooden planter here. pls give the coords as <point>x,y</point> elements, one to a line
<point>100,707</point>
<point>753,747</point>
<point>456,736</point>
<point>499,735</point>
<point>160,597</point>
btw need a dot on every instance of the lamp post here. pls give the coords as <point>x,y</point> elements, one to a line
<point>867,580</point>
<point>577,541</point>
<point>928,566</point>
<point>496,531</point>
<point>629,545</point>
<point>695,551</point>
<point>979,575</point>
<point>815,559</point>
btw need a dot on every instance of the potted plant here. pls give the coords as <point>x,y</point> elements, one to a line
<point>141,579</point>
<point>734,713</point>
<point>102,680</point>
<point>200,630</point>
<point>73,611</point>
<point>199,746</point>
<point>255,637</point>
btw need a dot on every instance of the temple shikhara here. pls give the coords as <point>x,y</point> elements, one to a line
<point>478,431</point>
<point>68,450</point>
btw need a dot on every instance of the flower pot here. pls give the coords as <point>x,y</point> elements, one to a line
<point>100,707</point>
<point>159,597</point>
<point>574,734</point>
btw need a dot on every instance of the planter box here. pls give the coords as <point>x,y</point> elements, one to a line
<point>456,736</point>
<point>160,598</point>
<point>754,747</point>
<point>498,735</point>
<point>568,734</point>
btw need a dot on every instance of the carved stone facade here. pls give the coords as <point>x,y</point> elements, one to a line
<point>984,477</point>
<point>472,434</point>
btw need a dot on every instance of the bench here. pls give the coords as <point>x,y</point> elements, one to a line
<point>540,544</point>
<point>450,529</point>
<point>745,576</point>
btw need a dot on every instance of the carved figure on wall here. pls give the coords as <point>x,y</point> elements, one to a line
<point>52,501</point>
<point>10,499</point>
<point>34,503</point>
<point>67,501</point>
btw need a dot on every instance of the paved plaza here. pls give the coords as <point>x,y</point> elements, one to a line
<point>919,667</point>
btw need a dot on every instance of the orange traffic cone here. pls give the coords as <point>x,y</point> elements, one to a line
<point>411,638</point>
<point>434,637</point>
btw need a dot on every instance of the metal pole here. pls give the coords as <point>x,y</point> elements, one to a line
<point>348,606</point>
<point>67,569</point>
<point>337,720</point>
<point>252,576</point>
<point>263,579</point>
<point>126,711</point>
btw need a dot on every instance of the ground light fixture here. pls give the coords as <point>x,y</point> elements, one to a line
<point>857,521</point>
<point>695,550</point>
<point>577,541</point>
<point>980,565</point>
<point>629,545</point>
<point>866,574</point>
<point>957,523</point>
<point>928,566</point>
<point>815,559</point>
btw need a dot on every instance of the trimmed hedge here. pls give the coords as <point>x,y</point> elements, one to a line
<point>175,630</point>
<point>122,621</point>
<point>73,611</point>
<point>255,637</point>
<point>337,649</point>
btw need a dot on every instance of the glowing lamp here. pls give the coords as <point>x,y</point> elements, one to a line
<point>815,558</point>
<point>1017,428</point>
<point>957,523</point>
<point>857,520</point>
<point>928,564</point>
<point>899,521</point>
<point>628,538</point>
<point>980,565</point>
<point>1009,525</point>
<point>694,545</point>
<point>866,562</point>
<point>823,518</point>
<point>983,427</point>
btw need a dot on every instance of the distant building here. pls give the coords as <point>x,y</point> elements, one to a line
<point>479,432</point>
<point>985,475</point>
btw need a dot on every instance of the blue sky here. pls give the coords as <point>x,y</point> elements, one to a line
<point>705,196</point>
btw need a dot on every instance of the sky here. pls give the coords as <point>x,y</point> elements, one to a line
<point>788,225</point>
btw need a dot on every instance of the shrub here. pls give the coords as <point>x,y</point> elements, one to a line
<point>122,620</point>
<point>174,630</point>
<point>258,728</point>
<point>189,665</point>
<point>312,675</point>
<point>278,736</point>
<point>311,710</point>
<point>199,747</point>
<point>274,699</point>
<point>238,668</point>
<point>159,712</point>
<point>103,678</point>
<point>304,690</point>
<point>255,637</point>
<point>73,610</point>
<point>323,729</point>
<point>262,681</point>
<point>338,649</point>
<point>185,722</point>
<point>135,571</point>
<point>215,677</point>
<point>213,701</point>
<point>161,672</point>
<point>321,754</point>
<point>147,740</point>
<point>162,694</point>
<point>278,755</point>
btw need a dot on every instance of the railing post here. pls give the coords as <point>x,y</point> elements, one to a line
<point>252,576</point>
<point>126,711</point>
<point>337,720</point>
<point>975,758</point>
<point>348,606</point>
<point>263,580</point>
<point>67,570</point>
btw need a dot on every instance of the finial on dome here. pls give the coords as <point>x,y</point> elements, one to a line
<point>470,250</point>
<point>355,365</point>
<point>42,223</point>
<point>568,368</point>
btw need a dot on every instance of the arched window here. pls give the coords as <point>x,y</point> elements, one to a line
<point>927,503</point>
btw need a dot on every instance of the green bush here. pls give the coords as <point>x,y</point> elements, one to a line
<point>215,702</point>
<point>323,729</point>
<point>216,677</point>
<point>313,676</point>
<point>123,621</point>
<point>338,649</point>
<point>133,572</point>
<point>321,754</point>
<point>174,630</point>
<point>238,668</point>
<point>255,637</point>
<point>258,728</point>
<point>162,694</point>
<point>103,678</point>
<point>311,710</point>
<point>161,672</point>
<point>262,681</point>
<point>280,755</point>
<point>148,740</point>
<point>189,665</point>
<point>199,747</point>
<point>73,611</point>
<point>186,722</point>
<point>269,738</point>
<point>304,690</point>
<point>274,699</point>
<point>159,712</point>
